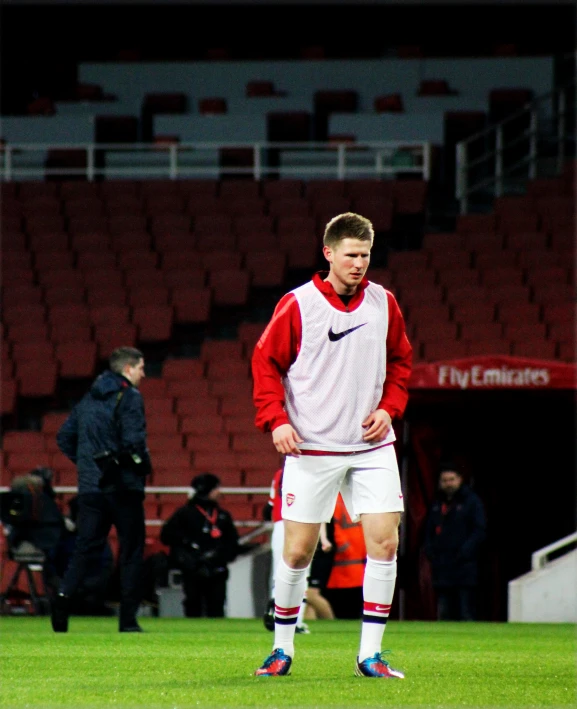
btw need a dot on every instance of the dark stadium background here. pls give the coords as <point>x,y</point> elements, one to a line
<point>497,437</point>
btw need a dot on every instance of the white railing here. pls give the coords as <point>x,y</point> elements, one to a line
<point>338,160</point>
<point>496,159</point>
<point>540,558</point>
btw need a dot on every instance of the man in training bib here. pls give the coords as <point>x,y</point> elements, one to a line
<point>330,375</point>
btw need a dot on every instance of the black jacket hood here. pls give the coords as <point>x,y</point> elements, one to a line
<point>108,383</point>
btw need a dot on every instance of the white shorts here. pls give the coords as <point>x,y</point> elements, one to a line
<point>369,482</point>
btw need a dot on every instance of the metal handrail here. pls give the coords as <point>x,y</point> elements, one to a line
<point>380,152</point>
<point>527,107</point>
<point>539,558</point>
<point>495,153</point>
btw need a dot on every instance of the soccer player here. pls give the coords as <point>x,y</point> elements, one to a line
<point>330,375</point>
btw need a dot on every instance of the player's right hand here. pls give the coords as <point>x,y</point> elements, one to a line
<point>286,440</point>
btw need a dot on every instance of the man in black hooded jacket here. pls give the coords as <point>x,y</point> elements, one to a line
<point>203,541</point>
<point>105,435</point>
<point>455,530</point>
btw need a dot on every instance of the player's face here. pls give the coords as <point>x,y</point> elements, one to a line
<point>349,261</point>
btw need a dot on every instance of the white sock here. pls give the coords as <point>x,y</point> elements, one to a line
<point>378,591</point>
<point>290,586</point>
<point>302,611</point>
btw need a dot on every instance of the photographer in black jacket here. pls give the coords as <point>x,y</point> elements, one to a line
<point>203,541</point>
<point>105,435</point>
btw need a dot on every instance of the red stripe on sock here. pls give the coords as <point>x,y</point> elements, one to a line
<point>384,608</point>
<point>286,611</point>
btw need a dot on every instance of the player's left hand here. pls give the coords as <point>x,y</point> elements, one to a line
<point>377,424</point>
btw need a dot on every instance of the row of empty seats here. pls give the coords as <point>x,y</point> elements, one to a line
<point>178,204</point>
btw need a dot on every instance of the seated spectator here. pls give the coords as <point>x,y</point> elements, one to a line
<point>203,541</point>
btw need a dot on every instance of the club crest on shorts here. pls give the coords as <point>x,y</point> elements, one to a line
<point>290,498</point>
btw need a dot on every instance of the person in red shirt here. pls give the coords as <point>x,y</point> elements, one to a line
<point>330,375</point>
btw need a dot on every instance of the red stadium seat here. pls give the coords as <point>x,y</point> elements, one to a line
<point>178,275</point>
<point>511,311</point>
<point>191,304</point>
<point>23,442</point>
<point>110,336</point>
<point>287,187</point>
<point>251,442</point>
<point>436,331</point>
<point>21,462</point>
<point>154,322</point>
<point>539,349</point>
<point>110,315</point>
<point>227,389</point>
<point>266,268</point>
<point>192,403</point>
<point>230,287</point>
<point>218,349</point>
<point>77,359</point>
<point>37,378</point>
<point>249,333</point>
<point>444,350</point>
<point>158,405</point>
<point>497,275</point>
<point>164,443</point>
<point>215,460</point>
<point>33,351</point>
<point>228,368</point>
<point>140,296</point>
<point>240,424</point>
<point>8,393</point>
<point>27,332</point>
<point>200,425</point>
<point>203,442</point>
<point>162,424</point>
<point>26,312</point>
<point>16,293</point>
<point>473,313</point>
<point>153,387</point>
<point>183,369</point>
<point>488,346</point>
<point>52,421</point>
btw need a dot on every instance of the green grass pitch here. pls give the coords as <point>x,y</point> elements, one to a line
<point>181,663</point>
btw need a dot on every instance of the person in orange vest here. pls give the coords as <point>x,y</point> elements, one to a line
<point>345,585</point>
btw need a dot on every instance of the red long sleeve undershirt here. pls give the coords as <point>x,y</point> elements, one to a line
<point>280,343</point>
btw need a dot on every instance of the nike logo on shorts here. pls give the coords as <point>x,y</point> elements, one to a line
<point>334,336</point>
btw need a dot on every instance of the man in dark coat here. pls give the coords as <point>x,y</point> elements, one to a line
<point>455,530</point>
<point>105,435</point>
<point>203,541</point>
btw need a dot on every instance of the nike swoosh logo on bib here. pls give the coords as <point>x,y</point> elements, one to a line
<point>334,336</point>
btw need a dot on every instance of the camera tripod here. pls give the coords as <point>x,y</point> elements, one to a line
<point>29,560</point>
